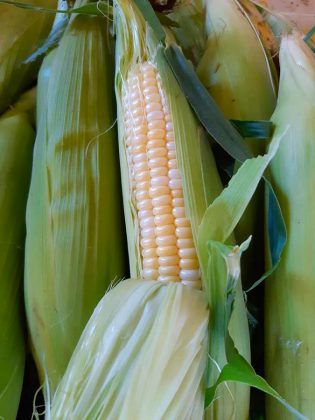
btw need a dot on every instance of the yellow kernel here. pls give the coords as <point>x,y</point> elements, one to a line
<point>189,264</point>
<point>172,270</point>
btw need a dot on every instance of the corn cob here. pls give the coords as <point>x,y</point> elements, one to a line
<point>16,145</point>
<point>22,31</point>
<point>75,232</point>
<point>166,240</point>
<point>289,309</point>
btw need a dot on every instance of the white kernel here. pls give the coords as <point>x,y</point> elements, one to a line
<point>138,112</point>
<point>175,184</point>
<point>140,167</point>
<point>148,233</point>
<point>155,143</point>
<point>142,214</point>
<point>190,275</point>
<point>159,181</point>
<point>144,185</point>
<point>166,240</point>
<point>158,191</point>
<point>156,133</point>
<point>170,145</point>
<point>157,152</point>
<point>169,126</point>
<point>164,251</point>
<point>149,253</point>
<point>149,90</point>
<point>185,243</point>
<point>172,164</point>
<point>187,253</point>
<point>164,219</point>
<point>139,149</point>
<point>167,279</point>
<point>165,230</point>
<point>142,157</point>
<point>189,264</point>
<point>142,176</point>
<point>150,274</point>
<point>150,263</point>
<point>157,162</point>
<point>147,222</point>
<point>178,202</point>
<point>182,222</point>
<point>156,124</point>
<point>144,205</point>
<point>163,200</point>
<point>183,232</point>
<point>178,212</point>
<point>153,106</point>
<point>142,195</point>
<point>159,210</point>
<point>169,260</point>
<point>139,139</point>
<point>158,171</point>
<point>171,154</point>
<point>177,193</point>
<point>174,174</point>
<point>170,135</point>
<point>148,243</point>
<point>155,115</point>
<point>172,270</point>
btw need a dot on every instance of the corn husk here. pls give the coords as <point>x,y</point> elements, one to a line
<point>16,146</point>
<point>289,300</point>
<point>22,32</point>
<point>141,356</point>
<point>75,231</point>
<point>239,74</point>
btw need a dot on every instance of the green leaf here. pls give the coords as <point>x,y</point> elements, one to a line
<point>308,39</point>
<point>152,19</point>
<point>254,129</point>
<point>166,21</point>
<point>51,41</point>
<point>239,370</point>
<point>101,8</point>
<point>224,213</point>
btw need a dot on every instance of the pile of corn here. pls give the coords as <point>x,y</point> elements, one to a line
<point>122,286</point>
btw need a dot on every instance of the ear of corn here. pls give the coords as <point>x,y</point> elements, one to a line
<point>154,120</point>
<point>289,308</point>
<point>239,75</point>
<point>22,31</point>
<point>75,235</point>
<point>16,145</point>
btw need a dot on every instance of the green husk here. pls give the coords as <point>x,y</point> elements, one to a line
<point>147,347</point>
<point>75,242</point>
<point>22,31</point>
<point>16,146</point>
<point>239,75</point>
<point>289,308</point>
